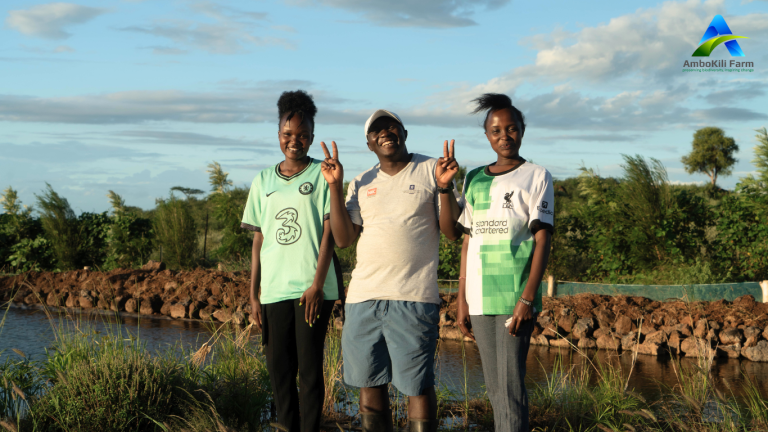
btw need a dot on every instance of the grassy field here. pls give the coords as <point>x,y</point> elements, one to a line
<point>110,381</point>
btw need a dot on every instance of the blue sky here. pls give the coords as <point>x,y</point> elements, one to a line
<point>139,96</point>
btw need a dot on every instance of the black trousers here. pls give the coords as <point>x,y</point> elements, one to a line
<point>294,347</point>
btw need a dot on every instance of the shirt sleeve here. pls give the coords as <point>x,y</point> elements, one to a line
<point>353,204</point>
<point>465,218</point>
<point>252,213</point>
<point>542,205</point>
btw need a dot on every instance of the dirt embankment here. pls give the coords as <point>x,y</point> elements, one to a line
<point>735,329</point>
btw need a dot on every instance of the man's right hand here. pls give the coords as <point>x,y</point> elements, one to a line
<point>462,316</point>
<point>331,167</point>
<point>256,313</point>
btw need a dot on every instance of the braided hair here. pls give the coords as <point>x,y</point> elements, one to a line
<point>491,102</point>
<point>299,103</point>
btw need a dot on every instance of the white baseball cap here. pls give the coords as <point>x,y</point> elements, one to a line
<point>376,115</point>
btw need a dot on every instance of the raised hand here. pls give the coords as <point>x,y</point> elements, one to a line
<point>446,167</point>
<point>331,167</point>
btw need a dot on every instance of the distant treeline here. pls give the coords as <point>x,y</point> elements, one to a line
<point>638,228</point>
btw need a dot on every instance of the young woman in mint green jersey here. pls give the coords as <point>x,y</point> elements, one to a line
<point>295,278</point>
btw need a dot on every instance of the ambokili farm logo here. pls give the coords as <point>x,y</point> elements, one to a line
<point>716,34</point>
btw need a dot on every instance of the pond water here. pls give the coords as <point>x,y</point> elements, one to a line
<point>31,331</point>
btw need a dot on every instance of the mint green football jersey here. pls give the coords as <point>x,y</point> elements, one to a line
<point>499,212</point>
<point>289,212</point>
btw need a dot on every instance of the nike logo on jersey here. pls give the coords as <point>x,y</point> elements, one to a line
<point>271,193</point>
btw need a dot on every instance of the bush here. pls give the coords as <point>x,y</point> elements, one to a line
<point>29,255</point>
<point>94,230</point>
<point>176,234</point>
<point>229,205</point>
<point>129,242</point>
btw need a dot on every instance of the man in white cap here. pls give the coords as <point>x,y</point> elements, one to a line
<point>398,208</point>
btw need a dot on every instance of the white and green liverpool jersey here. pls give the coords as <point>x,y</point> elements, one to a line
<point>289,212</point>
<point>499,212</point>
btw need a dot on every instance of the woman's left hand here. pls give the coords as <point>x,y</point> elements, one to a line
<point>521,313</point>
<point>313,299</point>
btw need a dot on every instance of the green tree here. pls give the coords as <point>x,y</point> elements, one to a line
<point>761,155</point>
<point>61,228</point>
<point>175,231</point>
<point>218,178</point>
<point>712,153</point>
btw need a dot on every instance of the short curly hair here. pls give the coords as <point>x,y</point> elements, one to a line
<point>296,102</point>
<point>491,102</point>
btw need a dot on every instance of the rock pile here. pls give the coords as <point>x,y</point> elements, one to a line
<point>737,329</point>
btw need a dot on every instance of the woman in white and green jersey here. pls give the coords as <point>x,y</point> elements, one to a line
<point>508,220</point>
<point>292,289</point>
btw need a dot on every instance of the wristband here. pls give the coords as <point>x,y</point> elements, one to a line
<point>445,190</point>
<point>525,302</point>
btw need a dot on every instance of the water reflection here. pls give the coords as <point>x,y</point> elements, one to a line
<point>30,330</point>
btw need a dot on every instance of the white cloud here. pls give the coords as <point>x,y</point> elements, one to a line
<point>50,20</point>
<point>409,13</point>
<point>227,31</point>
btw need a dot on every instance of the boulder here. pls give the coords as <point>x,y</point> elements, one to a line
<point>206,313</point>
<point>86,302</point>
<point>222,315</point>
<point>55,299</point>
<point>72,301</point>
<point>623,325</point>
<point>648,348</point>
<point>731,336</point>
<point>540,340</point>
<point>608,342</point>
<point>684,329</point>
<point>561,343</point>
<point>605,318</point>
<point>757,353</point>
<point>238,317</point>
<point>146,308</point>
<point>170,286</point>
<point>673,342</point>
<point>629,341</point>
<point>118,304</point>
<point>752,341</point>
<point>697,347</point>
<point>587,343</point>
<point>658,337</point>
<point>154,266</point>
<point>132,305</point>
<point>566,323</point>
<point>583,328</point>
<point>602,331</point>
<point>102,304</point>
<point>31,299</point>
<point>765,332</point>
<point>751,331</point>
<point>178,310</point>
<point>732,351</point>
<point>701,330</point>
<point>166,308</point>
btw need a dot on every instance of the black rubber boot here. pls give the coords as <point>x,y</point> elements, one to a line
<point>420,425</point>
<point>376,422</point>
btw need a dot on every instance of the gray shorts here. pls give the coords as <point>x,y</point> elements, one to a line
<point>390,341</point>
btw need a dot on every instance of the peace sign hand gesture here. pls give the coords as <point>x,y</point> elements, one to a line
<point>446,167</point>
<point>331,167</point>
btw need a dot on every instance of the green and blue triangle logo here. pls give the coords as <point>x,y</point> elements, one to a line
<point>717,33</point>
